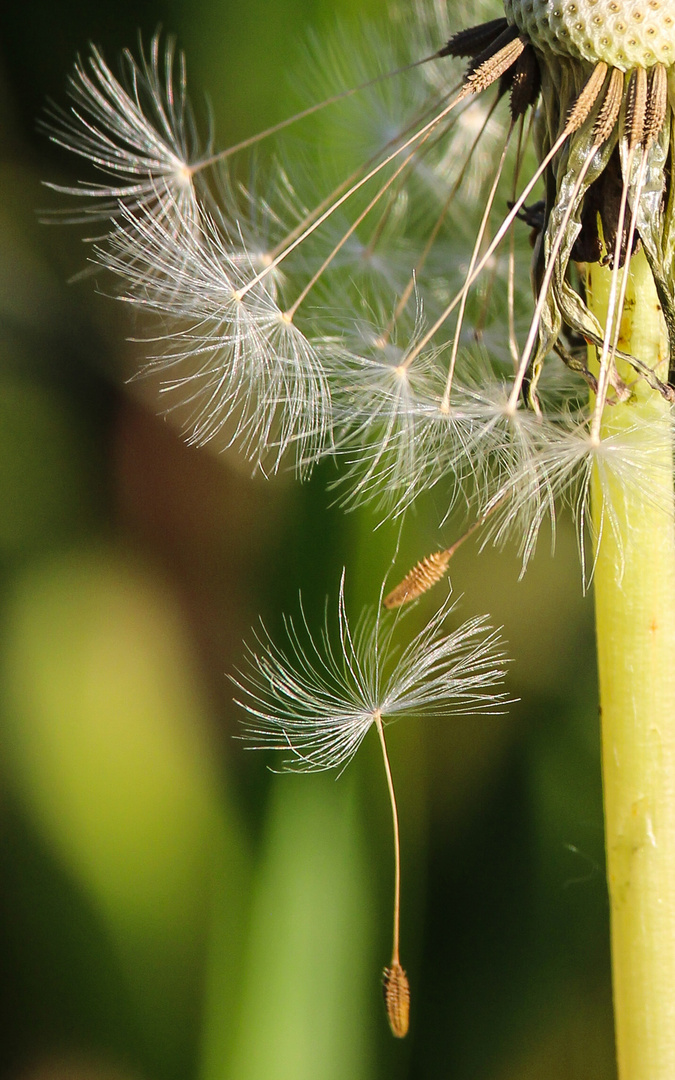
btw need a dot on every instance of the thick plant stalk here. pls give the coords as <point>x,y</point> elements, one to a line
<point>635,623</point>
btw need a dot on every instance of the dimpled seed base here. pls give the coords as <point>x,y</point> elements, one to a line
<point>623,33</point>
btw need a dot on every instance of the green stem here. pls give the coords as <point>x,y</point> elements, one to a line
<point>635,624</point>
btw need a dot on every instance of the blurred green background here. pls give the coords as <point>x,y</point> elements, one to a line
<point>169,908</point>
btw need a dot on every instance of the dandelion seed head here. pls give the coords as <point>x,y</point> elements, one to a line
<point>357,291</point>
<point>336,304</point>
<point>623,33</point>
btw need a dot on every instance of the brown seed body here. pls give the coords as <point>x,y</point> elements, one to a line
<point>421,578</point>
<point>397,999</point>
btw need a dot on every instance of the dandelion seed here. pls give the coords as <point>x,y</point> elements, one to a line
<point>391,430</point>
<point>317,700</point>
<point>325,695</point>
<point>241,371</point>
<point>138,131</point>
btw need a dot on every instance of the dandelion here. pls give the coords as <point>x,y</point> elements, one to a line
<point>317,700</point>
<point>247,280</point>
<point>366,305</point>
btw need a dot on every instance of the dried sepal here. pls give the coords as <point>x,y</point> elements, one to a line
<point>657,104</point>
<point>475,39</point>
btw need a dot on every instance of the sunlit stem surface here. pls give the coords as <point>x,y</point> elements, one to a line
<point>635,622</point>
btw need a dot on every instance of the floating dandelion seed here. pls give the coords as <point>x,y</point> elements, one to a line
<point>317,700</point>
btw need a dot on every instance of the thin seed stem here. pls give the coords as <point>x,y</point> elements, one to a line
<point>222,155</point>
<point>486,303</point>
<point>395,959</point>
<point>474,256</point>
<point>578,115</point>
<point>290,312</point>
<point>377,232</point>
<point>511,283</point>
<point>352,178</point>
<point>352,191</point>
<point>428,247</point>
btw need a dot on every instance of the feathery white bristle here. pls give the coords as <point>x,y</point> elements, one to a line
<point>243,373</point>
<point>138,131</point>
<point>316,698</point>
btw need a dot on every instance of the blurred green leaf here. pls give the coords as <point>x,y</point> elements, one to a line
<point>310,979</point>
<point>106,744</point>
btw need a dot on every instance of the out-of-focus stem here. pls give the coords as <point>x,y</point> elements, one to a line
<point>635,622</point>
